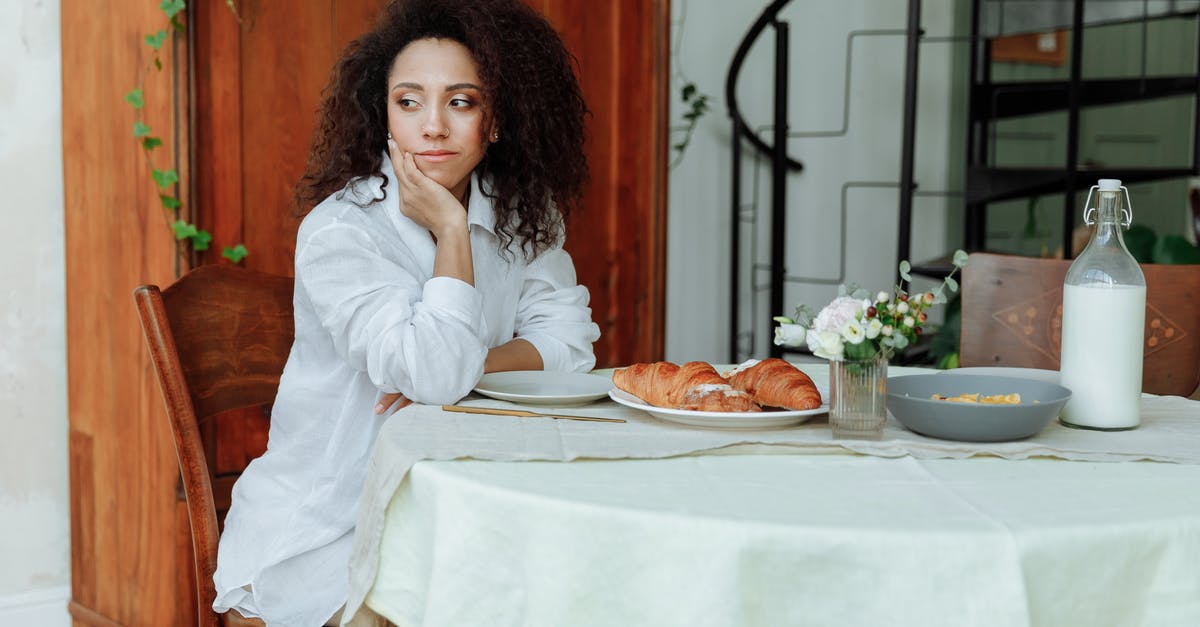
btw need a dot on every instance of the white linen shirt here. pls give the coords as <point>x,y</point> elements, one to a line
<point>371,318</point>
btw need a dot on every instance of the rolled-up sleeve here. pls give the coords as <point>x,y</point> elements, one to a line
<point>553,314</point>
<point>422,340</point>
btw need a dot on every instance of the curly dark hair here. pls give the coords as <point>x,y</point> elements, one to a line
<point>538,167</point>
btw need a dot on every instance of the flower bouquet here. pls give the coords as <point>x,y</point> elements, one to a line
<point>858,334</point>
<point>856,327</point>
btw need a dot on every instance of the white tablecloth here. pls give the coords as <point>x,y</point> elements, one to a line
<point>793,540</point>
<point>1170,432</point>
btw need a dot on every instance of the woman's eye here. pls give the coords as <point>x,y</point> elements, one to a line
<point>407,103</point>
<point>460,103</point>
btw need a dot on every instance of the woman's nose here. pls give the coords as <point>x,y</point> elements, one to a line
<point>435,126</point>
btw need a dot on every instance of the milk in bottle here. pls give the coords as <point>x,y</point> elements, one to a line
<point>1103,323</point>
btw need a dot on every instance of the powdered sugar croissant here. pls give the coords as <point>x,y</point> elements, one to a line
<point>775,383</point>
<point>695,385</point>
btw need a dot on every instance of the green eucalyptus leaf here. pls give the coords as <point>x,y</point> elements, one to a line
<point>960,258</point>
<point>952,284</point>
<point>783,320</point>
<point>135,98</point>
<point>140,129</point>
<point>172,7</point>
<point>169,202</point>
<point>150,143</point>
<point>200,240</point>
<point>235,254</point>
<point>905,268</point>
<point>899,341</point>
<point>182,229</point>
<point>156,40</point>
<point>165,178</point>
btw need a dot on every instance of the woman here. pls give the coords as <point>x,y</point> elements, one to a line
<point>450,141</point>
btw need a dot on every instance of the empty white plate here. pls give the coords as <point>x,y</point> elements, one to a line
<point>539,387</point>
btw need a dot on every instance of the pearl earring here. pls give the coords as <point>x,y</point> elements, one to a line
<point>389,135</point>
<point>495,136</point>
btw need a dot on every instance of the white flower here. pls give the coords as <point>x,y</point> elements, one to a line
<point>873,328</point>
<point>902,307</point>
<point>789,335</point>
<point>886,330</point>
<point>908,321</point>
<point>853,332</point>
<point>836,314</point>
<point>826,345</point>
<point>881,297</point>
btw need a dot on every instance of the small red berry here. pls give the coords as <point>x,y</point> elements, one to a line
<point>871,312</point>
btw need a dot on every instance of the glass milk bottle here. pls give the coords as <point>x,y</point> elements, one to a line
<point>1103,320</point>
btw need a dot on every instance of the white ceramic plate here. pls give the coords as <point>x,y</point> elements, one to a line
<point>1036,374</point>
<point>538,387</point>
<point>720,419</point>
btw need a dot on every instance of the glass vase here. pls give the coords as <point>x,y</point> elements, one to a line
<point>858,398</point>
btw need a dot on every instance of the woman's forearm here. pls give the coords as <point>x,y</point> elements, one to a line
<point>517,354</point>
<point>453,256</point>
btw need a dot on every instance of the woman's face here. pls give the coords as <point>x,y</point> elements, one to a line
<point>436,110</point>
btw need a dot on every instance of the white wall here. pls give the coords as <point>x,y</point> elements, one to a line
<point>699,221</point>
<point>35,565</point>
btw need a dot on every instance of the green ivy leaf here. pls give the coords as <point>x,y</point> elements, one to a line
<point>135,98</point>
<point>235,254</point>
<point>905,268</point>
<point>960,258</point>
<point>200,240</point>
<point>157,64</point>
<point>140,129</point>
<point>169,202</point>
<point>689,90</point>
<point>177,25</point>
<point>156,40</point>
<point>172,7</point>
<point>150,143</point>
<point>165,178</point>
<point>183,230</point>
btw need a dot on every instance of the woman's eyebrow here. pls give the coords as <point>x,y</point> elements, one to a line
<point>453,87</point>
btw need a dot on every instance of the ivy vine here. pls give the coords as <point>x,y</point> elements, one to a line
<point>167,179</point>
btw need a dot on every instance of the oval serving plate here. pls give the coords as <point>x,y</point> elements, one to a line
<point>718,419</point>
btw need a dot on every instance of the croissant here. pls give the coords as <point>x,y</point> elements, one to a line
<point>776,383</point>
<point>695,385</point>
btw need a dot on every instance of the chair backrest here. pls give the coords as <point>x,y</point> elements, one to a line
<point>218,339</point>
<point>1012,316</point>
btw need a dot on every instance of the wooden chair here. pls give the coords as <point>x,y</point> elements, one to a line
<point>1012,316</point>
<point>218,339</point>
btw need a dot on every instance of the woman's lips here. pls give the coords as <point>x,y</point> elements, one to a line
<point>436,156</point>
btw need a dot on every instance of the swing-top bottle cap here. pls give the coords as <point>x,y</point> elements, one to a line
<point>1110,185</point>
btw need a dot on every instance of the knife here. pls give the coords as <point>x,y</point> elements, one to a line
<point>523,414</point>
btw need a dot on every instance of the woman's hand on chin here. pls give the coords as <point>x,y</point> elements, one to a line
<point>424,200</point>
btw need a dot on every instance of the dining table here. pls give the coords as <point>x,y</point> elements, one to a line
<point>476,519</point>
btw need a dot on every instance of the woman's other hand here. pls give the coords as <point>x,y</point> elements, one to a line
<point>389,399</point>
<point>422,199</point>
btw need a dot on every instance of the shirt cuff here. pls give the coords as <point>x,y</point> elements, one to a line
<point>457,298</point>
<point>556,357</point>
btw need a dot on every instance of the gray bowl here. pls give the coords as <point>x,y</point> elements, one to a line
<point>909,401</point>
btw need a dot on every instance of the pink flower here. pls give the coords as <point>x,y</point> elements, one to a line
<point>837,314</point>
